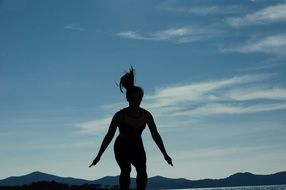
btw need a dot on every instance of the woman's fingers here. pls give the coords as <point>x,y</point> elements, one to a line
<point>95,161</point>
<point>169,160</point>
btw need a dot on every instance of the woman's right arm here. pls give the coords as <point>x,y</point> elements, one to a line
<point>108,137</point>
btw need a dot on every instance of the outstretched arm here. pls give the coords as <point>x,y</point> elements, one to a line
<point>107,139</point>
<point>156,137</point>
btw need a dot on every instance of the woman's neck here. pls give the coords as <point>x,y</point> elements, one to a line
<point>134,109</point>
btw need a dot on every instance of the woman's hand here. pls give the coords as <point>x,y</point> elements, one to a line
<point>95,161</point>
<point>168,159</point>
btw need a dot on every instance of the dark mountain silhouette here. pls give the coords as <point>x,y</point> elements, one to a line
<point>39,176</point>
<point>157,182</point>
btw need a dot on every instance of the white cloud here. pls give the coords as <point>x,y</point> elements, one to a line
<point>226,109</point>
<point>176,7</point>
<point>172,33</point>
<point>195,92</point>
<point>75,27</point>
<point>95,126</point>
<point>275,44</point>
<point>131,35</point>
<point>275,13</point>
<point>184,34</point>
<point>265,65</point>
<point>254,94</point>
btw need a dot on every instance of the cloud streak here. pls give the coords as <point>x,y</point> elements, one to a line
<point>275,44</point>
<point>96,126</point>
<point>75,27</point>
<point>131,35</point>
<point>174,6</point>
<point>197,92</point>
<point>254,94</point>
<point>271,14</point>
<point>184,34</point>
<point>230,109</point>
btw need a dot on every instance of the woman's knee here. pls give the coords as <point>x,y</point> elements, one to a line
<point>141,168</point>
<point>126,170</point>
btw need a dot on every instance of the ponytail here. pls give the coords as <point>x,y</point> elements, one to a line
<point>127,82</point>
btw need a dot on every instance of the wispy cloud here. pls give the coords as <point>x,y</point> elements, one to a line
<point>75,27</point>
<point>131,35</point>
<point>184,34</point>
<point>230,109</point>
<point>275,44</point>
<point>178,7</point>
<point>208,98</point>
<point>275,13</point>
<point>257,93</point>
<point>197,92</point>
<point>181,35</point>
<point>95,126</point>
<point>225,96</point>
<point>265,65</point>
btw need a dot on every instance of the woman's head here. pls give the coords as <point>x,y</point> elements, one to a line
<point>134,94</point>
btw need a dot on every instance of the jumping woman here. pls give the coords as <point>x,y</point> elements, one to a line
<point>128,147</point>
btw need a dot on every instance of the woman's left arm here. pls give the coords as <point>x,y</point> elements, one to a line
<point>156,137</point>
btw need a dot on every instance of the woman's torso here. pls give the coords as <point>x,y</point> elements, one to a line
<point>132,124</point>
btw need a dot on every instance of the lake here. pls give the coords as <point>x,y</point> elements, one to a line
<point>263,187</point>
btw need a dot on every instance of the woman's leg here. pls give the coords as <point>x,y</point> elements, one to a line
<point>139,162</point>
<point>141,179</point>
<point>123,161</point>
<point>124,178</point>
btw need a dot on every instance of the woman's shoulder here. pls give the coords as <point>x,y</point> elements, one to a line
<point>119,114</point>
<point>146,113</point>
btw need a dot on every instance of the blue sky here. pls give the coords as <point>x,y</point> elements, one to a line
<point>213,73</point>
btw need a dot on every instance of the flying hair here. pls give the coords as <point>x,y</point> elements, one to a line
<point>127,80</point>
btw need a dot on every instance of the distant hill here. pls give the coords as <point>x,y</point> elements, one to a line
<point>39,176</point>
<point>157,182</point>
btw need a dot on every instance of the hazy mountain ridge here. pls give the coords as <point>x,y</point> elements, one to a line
<point>156,182</point>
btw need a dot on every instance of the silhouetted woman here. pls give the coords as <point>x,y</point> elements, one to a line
<point>128,147</point>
